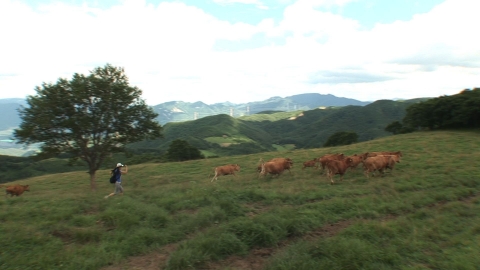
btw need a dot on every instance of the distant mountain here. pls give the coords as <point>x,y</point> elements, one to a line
<point>9,117</point>
<point>179,111</point>
<point>223,135</point>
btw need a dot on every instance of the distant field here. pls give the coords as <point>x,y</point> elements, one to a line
<point>271,117</point>
<point>423,215</point>
<point>226,141</point>
<point>285,147</point>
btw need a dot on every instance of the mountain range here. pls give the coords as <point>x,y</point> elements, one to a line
<point>179,111</point>
<point>223,135</point>
<point>258,124</point>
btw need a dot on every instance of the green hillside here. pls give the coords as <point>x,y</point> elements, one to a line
<point>222,135</point>
<point>423,215</point>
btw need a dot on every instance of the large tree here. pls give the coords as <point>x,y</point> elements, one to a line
<point>90,117</point>
<point>181,150</point>
<point>341,138</point>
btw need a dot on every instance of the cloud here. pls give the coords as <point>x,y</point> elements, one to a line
<point>257,3</point>
<point>346,76</point>
<point>175,51</point>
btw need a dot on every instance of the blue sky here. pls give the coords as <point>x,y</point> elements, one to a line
<point>246,50</point>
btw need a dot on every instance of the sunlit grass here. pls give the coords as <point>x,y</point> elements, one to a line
<point>422,215</point>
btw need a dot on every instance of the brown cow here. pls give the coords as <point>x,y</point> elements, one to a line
<point>380,163</point>
<point>383,153</point>
<point>276,166</point>
<point>287,161</point>
<point>16,190</point>
<point>392,161</point>
<point>326,158</point>
<point>225,170</point>
<point>337,167</point>
<point>310,163</point>
<point>357,159</point>
<point>376,163</point>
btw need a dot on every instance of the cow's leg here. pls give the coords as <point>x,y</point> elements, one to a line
<point>366,173</point>
<point>215,177</point>
<point>330,175</point>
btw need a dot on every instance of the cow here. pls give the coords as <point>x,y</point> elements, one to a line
<point>337,167</point>
<point>276,166</point>
<point>226,170</point>
<point>383,153</point>
<point>357,159</point>
<point>376,163</point>
<point>310,163</point>
<point>392,161</point>
<point>288,161</point>
<point>326,158</point>
<point>16,190</point>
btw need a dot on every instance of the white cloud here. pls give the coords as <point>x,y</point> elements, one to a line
<point>167,50</point>
<point>257,3</point>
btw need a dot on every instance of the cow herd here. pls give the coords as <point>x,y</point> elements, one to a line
<point>331,164</point>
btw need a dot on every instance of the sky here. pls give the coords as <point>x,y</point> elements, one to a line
<point>243,51</point>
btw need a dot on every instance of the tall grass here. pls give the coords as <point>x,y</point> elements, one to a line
<point>421,215</point>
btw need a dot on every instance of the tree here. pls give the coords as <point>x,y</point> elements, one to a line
<point>89,117</point>
<point>394,127</point>
<point>456,111</point>
<point>341,138</point>
<point>181,150</point>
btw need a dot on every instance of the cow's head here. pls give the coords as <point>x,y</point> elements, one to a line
<point>288,163</point>
<point>26,188</point>
<point>395,158</point>
<point>236,167</point>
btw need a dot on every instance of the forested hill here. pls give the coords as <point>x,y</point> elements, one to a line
<point>222,135</point>
<point>179,111</point>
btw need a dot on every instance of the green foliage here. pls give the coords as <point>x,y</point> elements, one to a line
<point>341,138</point>
<point>446,112</point>
<point>14,168</point>
<point>397,128</point>
<point>88,117</point>
<point>180,150</point>
<point>272,130</point>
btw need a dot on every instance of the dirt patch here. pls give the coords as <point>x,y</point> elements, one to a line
<point>152,261</point>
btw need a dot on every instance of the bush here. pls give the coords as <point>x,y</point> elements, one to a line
<point>341,138</point>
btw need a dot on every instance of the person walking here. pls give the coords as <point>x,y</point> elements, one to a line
<point>118,175</point>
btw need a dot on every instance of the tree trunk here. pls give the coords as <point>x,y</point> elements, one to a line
<point>93,184</point>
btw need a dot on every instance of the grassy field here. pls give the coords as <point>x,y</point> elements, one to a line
<point>423,215</point>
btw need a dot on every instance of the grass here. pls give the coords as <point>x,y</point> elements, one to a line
<point>423,215</point>
<point>228,140</point>
<point>285,147</point>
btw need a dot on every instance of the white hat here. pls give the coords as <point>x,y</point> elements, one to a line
<point>119,165</point>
